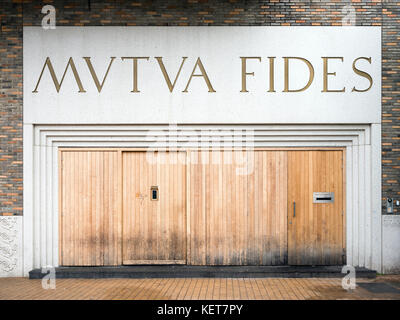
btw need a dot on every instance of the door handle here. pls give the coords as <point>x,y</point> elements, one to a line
<point>294,209</point>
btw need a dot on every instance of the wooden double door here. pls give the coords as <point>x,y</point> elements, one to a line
<point>154,208</point>
<point>201,207</point>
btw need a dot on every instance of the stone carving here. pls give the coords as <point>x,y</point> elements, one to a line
<point>8,244</point>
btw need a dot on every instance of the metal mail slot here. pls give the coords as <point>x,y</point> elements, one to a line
<point>323,197</point>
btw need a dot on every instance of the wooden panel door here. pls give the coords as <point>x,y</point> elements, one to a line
<point>238,213</point>
<point>154,231</point>
<point>315,230</point>
<point>90,219</point>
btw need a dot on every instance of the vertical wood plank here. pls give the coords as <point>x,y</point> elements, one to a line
<point>245,214</point>
<point>155,231</point>
<point>316,233</point>
<point>89,202</point>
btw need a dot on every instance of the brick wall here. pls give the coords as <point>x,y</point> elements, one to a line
<point>391,100</point>
<point>10,109</point>
<point>16,13</point>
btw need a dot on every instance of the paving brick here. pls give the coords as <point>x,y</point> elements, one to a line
<point>199,289</point>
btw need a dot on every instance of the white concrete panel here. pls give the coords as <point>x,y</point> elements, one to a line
<point>376,199</point>
<point>220,49</point>
<point>349,207</point>
<point>391,243</point>
<point>28,194</point>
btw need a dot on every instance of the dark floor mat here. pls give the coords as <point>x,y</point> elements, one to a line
<point>379,288</point>
<point>394,284</point>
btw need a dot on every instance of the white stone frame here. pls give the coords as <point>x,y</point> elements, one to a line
<point>363,176</point>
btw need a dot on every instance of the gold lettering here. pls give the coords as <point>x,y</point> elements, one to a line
<point>203,74</point>
<point>54,77</point>
<point>362,74</point>
<point>165,73</point>
<point>94,75</point>
<point>271,74</point>
<point>326,74</point>
<point>310,80</point>
<point>245,73</point>
<point>135,70</point>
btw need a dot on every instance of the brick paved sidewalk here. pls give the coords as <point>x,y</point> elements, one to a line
<point>384,287</point>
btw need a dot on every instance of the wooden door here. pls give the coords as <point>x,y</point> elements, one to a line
<point>315,230</point>
<point>238,213</point>
<point>154,231</point>
<point>90,213</point>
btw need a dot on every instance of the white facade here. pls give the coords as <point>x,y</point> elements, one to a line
<point>117,117</point>
<point>220,50</point>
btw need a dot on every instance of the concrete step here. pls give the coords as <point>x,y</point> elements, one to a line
<point>184,271</point>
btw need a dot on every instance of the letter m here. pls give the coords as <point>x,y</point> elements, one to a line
<point>54,77</point>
